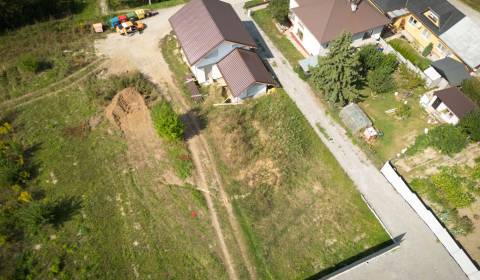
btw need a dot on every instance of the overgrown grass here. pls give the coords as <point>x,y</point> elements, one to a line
<point>299,210</point>
<point>123,6</point>
<point>447,139</point>
<point>265,20</point>
<point>61,47</point>
<point>405,49</point>
<point>171,53</point>
<point>130,223</point>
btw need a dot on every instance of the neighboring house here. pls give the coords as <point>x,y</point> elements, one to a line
<point>209,31</point>
<point>436,22</point>
<point>317,22</point>
<point>452,70</point>
<point>450,105</point>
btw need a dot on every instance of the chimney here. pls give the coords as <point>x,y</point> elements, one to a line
<point>354,4</point>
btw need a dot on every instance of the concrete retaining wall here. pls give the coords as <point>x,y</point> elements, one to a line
<point>432,222</point>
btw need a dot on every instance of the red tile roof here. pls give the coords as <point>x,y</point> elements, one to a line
<point>201,25</point>
<point>327,19</point>
<point>241,69</point>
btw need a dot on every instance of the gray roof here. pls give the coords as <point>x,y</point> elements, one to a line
<point>306,63</point>
<point>447,13</point>
<point>456,101</point>
<point>452,70</point>
<point>242,69</point>
<point>201,25</point>
<point>354,118</point>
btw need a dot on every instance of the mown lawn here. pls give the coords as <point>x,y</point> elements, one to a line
<point>264,19</point>
<point>299,210</point>
<point>129,223</point>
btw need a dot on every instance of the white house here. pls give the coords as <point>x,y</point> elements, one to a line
<point>316,22</point>
<point>449,105</point>
<point>209,31</point>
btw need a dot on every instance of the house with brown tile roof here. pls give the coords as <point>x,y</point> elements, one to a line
<point>210,31</point>
<point>450,105</point>
<point>316,22</point>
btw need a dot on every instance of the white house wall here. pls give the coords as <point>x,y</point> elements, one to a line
<point>309,42</point>
<point>256,90</point>
<point>293,4</point>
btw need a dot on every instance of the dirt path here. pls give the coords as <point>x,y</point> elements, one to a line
<point>53,88</point>
<point>142,52</point>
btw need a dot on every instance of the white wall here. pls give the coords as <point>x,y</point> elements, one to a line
<point>309,42</point>
<point>293,4</point>
<point>207,65</point>
<point>254,90</point>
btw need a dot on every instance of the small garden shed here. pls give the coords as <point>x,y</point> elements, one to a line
<point>354,118</point>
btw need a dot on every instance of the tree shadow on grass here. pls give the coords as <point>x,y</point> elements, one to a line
<point>362,257</point>
<point>63,210</point>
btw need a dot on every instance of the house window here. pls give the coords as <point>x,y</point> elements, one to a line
<point>441,48</point>
<point>432,17</point>
<point>300,34</point>
<point>412,21</point>
<point>425,33</point>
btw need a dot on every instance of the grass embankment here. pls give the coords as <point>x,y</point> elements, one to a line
<point>407,51</point>
<point>129,224</point>
<point>299,210</point>
<point>265,20</point>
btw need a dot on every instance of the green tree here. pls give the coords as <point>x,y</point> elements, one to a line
<point>427,50</point>
<point>279,10</point>
<point>338,73</point>
<point>166,121</point>
<point>380,80</point>
<point>471,88</point>
<point>470,125</point>
<point>370,57</point>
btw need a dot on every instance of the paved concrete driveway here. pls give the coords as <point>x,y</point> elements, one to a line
<point>420,255</point>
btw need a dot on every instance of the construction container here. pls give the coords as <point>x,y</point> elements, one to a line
<point>122,18</point>
<point>114,22</point>
<point>140,13</point>
<point>132,16</point>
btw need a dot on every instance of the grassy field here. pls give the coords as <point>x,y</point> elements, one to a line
<point>122,6</point>
<point>264,19</point>
<point>129,223</point>
<point>300,212</point>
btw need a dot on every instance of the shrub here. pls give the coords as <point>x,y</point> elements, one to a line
<point>452,188</point>
<point>447,139</point>
<point>471,88</point>
<point>470,125</point>
<point>404,111</point>
<point>379,80</point>
<point>409,53</point>
<point>427,50</point>
<point>389,63</point>
<point>370,57</point>
<point>279,10</point>
<point>301,74</point>
<point>167,123</point>
<point>409,80</point>
<point>29,63</point>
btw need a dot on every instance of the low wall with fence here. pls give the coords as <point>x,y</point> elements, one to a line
<point>388,49</point>
<point>457,253</point>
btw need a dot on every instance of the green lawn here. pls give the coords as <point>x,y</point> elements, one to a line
<point>124,6</point>
<point>299,210</point>
<point>264,19</point>
<point>404,48</point>
<point>130,223</point>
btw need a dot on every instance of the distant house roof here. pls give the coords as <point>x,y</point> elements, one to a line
<point>201,25</point>
<point>447,13</point>
<point>456,101</point>
<point>458,31</point>
<point>327,19</point>
<point>452,70</point>
<point>241,69</point>
<point>354,118</point>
